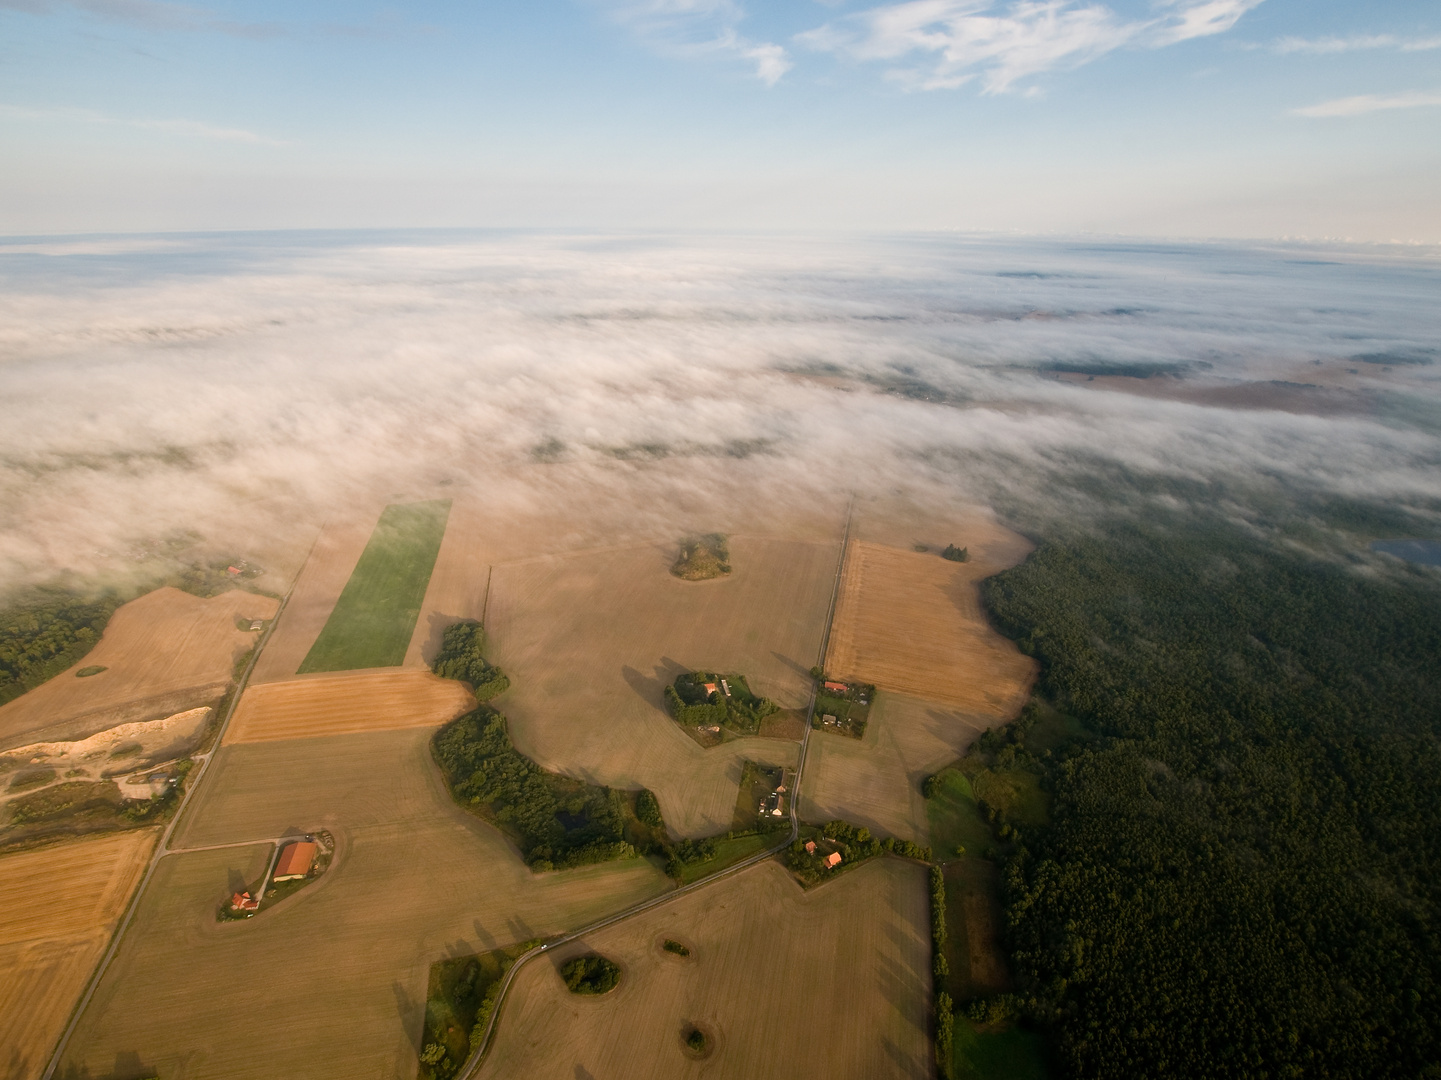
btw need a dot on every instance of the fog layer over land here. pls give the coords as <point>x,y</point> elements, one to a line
<point>244,389</point>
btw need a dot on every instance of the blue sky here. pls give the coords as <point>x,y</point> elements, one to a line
<point>1241,118</point>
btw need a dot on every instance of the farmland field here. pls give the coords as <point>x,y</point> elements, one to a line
<point>414,879</point>
<point>164,652</point>
<point>333,557</point>
<point>876,780</point>
<point>344,703</point>
<point>911,622</point>
<point>833,982</point>
<point>58,906</point>
<point>374,617</point>
<point>591,641</point>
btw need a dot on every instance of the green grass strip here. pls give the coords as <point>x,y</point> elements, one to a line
<point>375,616</point>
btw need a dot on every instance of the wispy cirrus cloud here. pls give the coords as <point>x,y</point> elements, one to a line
<point>1369,103</point>
<point>152,15</point>
<point>190,128</point>
<point>952,42</point>
<point>697,28</point>
<point>1328,45</point>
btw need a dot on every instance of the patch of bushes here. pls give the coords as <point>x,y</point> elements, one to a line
<point>556,821</point>
<point>945,1034</point>
<point>690,703</point>
<point>684,853</point>
<point>956,554</point>
<point>25,781</point>
<point>676,947</point>
<point>703,557</point>
<point>590,974</point>
<point>647,809</point>
<point>462,657</point>
<point>89,670</point>
<point>696,1041</point>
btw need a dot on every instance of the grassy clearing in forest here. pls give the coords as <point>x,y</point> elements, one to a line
<point>372,622</point>
<point>984,1054</point>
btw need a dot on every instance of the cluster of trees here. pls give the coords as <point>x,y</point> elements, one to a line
<point>691,703</point>
<point>590,974</point>
<point>685,853</point>
<point>647,809</point>
<point>703,557</point>
<point>43,637</point>
<point>557,822</point>
<point>855,844</point>
<point>956,554</point>
<point>1241,871</point>
<point>462,657</point>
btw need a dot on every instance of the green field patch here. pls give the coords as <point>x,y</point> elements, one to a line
<point>843,708</point>
<point>374,618</point>
<point>726,851</point>
<point>981,1053</point>
<point>957,824</point>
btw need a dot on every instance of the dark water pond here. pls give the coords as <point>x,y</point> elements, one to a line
<point>1426,552</point>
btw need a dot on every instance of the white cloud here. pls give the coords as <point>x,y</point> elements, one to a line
<point>1329,45</point>
<point>694,28</point>
<point>190,128</point>
<point>1368,103</point>
<point>954,41</point>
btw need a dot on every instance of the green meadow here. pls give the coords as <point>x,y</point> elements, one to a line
<point>372,621</point>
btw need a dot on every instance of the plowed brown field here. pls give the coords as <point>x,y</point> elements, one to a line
<point>165,652</point>
<point>834,982</point>
<point>912,622</point>
<point>590,641</point>
<point>339,704</point>
<point>58,907</point>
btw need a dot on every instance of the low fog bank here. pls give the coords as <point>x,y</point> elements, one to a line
<point>232,393</point>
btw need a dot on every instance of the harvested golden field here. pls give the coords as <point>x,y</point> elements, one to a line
<point>338,704</point>
<point>911,622</point>
<point>834,982</point>
<point>164,652</point>
<point>458,582</point>
<point>590,642</point>
<point>332,981</point>
<point>58,907</point>
<point>876,780</point>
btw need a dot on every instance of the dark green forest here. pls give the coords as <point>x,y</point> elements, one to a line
<point>557,822</point>
<point>1241,870</point>
<point>43,635</point>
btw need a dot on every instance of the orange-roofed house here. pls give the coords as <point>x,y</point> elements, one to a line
<point>837,686</point>
<point>295,861</point>
<point>243,901</point>
<point>833,859</point>
<point>810,847</point>
<point>710,688</point>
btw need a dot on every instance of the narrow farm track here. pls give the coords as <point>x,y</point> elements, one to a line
<point>477,1055</point>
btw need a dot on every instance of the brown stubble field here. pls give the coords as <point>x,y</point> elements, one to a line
<point>911,622</point>
<point>58,907</point>
<point>332,982</point>
<point>876,780</point>
<point>165,652</point>
<point>833,982</point>
<point>347,702</point>
<point>590,641</point>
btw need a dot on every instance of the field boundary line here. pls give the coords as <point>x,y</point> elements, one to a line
<point>477,1055</point>
<point>162,847</point>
